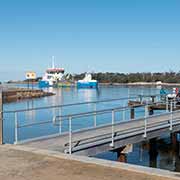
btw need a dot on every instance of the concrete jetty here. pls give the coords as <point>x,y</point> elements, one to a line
<point>16,94</point>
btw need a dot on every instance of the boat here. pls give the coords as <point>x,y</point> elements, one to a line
<point>87,82</point>
<point>52,77</point>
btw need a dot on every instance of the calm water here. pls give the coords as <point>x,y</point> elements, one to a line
<point>166,156</point>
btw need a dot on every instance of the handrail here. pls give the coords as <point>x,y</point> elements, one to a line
<point>90,113</point>
<point>76,104</point>
<point>67,105</point>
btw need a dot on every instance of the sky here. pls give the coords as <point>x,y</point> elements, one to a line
<point>89,35</point>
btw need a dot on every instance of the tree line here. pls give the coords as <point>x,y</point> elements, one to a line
<point>108,77</point>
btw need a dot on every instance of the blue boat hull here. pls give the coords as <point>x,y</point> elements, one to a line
<point>87,85</point>
<point>44,84</point>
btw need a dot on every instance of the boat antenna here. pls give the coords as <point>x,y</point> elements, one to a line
<point>53,66</point>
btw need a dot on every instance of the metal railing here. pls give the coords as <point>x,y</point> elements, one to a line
<point>71,117</point>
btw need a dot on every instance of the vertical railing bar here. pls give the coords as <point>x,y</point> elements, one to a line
<point>70,135</point>
<point>171,118</point>
<point>60,120</point>
<point>124,113</point>
<point>95,115</point>
<point>16,127</point>
<point>112,135</point>
<point>167,104</point>
<point>145,121</point>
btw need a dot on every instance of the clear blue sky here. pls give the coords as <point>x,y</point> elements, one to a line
<point>86,35</point>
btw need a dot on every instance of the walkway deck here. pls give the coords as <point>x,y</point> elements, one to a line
<point>97,140</point>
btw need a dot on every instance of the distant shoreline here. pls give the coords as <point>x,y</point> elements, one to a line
<point>140,84</point>
<point>115,84</point>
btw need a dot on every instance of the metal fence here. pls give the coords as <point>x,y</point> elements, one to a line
<point>73,122</point>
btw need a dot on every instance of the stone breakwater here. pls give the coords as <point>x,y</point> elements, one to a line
<point>17,94</point>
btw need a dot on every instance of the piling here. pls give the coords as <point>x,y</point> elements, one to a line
<point>121,156</point>
<point>153,153</point>
<point>1,117</point>
<point>132,113</point>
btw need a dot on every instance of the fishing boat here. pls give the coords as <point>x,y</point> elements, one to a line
<point>51,77</point>
<point>87,82</point>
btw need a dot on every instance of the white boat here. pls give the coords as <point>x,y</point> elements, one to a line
<point>51,76</point>
<point>87,82</point>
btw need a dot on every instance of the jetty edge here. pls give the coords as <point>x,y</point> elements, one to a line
<point>18,94</point>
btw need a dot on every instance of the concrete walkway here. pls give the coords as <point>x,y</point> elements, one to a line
<point>19,163</point>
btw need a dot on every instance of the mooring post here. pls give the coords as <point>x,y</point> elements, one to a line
<point>1,117</point>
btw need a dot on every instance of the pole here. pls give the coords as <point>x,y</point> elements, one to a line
<point>171,119</point>
<point>167,104</point>
<point>70,135</point>
<point>112,135</point>
<point>95,118</point>
<point>145,121</point>
<point>1,117</point>
<point>132,113</point>
<point>16,127</point>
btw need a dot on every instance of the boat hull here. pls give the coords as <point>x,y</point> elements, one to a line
<point>44,84</point>
<point>91,85</point>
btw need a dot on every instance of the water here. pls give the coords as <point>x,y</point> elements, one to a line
<point>167,156</point>
<point>67,96</point>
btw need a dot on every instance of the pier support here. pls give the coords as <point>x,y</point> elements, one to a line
<point>174,141</point>
<point>121,157</point>
<point>153,153</point>
<point>1,117</point>
<point>132,113</point>
<point>151,111</point>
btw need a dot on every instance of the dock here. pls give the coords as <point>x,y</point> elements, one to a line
<point>110,136</point>
<point>18,94</point>
<point>73,147</point>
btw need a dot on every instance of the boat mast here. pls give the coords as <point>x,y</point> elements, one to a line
<point>53,66</point>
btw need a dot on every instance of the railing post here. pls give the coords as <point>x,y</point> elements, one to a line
<point>171,118</point>
<point>145,121</point>
<point>60,120</point>
<point>124,114</point>
<point>1,117</point>
<point>140,98</point>
<point>16,127</point>
<point>95,115</point>
<point>70,135</point>
<point>174,100</point>
<point>167,104</point>
<point>112,136</point>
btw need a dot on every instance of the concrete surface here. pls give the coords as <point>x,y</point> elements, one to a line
<point>22,163</point>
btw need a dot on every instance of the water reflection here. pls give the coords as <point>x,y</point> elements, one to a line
<point>161,153</point>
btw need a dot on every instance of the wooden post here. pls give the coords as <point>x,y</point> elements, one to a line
<point>1,117</point>
<point>132,113</point>
<point>153,153</point>
<point>121,156</point>
<point>153,99</point>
